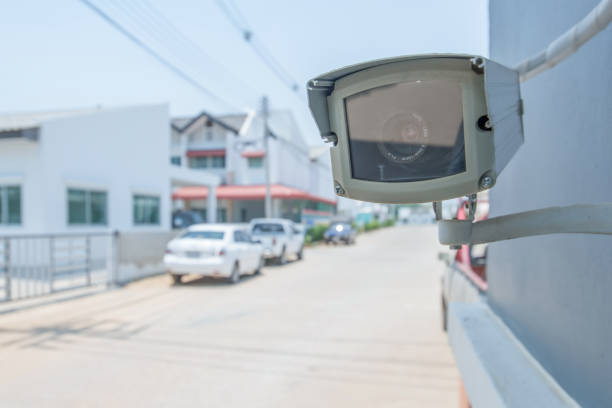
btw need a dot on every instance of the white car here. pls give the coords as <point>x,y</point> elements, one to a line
<point>217,250</point>
<point>280,238</point>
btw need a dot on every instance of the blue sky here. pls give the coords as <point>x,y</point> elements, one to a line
<point>60,54</point>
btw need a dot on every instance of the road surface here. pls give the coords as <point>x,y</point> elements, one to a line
<point>355,326</point>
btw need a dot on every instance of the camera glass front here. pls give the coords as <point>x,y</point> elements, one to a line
<point>408,131</point>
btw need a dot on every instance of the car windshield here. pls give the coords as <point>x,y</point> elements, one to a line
<point>214,235</point>
<point>267,228</point>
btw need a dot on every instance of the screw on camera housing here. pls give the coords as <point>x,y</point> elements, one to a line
<point>338,188</point>
<point>484,123</point>
<point>486,181</point>
<point>477,65</point>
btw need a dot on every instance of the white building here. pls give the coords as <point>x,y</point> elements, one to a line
<point>89,170</point>
<point>232,147</point>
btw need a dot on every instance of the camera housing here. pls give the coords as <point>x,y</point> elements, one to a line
<point>418,128</point>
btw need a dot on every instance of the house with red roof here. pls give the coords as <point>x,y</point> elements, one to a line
<point>232,148</point>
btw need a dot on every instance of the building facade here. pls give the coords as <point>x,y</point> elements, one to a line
<point>89,170</point>
<point>232,147</point>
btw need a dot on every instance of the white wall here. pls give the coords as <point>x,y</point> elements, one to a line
<point>122,151</point>
<point>20,165</point>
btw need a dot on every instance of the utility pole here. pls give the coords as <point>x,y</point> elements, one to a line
<point>266,136</point>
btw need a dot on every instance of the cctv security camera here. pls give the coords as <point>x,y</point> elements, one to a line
<point>418,128</point>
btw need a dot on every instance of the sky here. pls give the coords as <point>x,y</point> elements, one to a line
<point>61,55</point>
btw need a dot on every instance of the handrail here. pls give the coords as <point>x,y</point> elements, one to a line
<point>59,235</point>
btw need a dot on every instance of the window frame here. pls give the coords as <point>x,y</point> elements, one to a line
<point>156,198</point>
<point>5,215</point>
<point>176,161</point>
<point>203,159</point>
<point>214,162</point>
<point>252,160</point>
<point>88,207</point>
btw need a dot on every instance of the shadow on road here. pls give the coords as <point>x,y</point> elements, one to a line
<point>195,281</point>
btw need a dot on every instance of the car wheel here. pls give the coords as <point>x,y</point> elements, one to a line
<point>235,276</point>
<point>262,261</point>
<point>282,259</point>
<point>300,254</point>
<point>176,279</point>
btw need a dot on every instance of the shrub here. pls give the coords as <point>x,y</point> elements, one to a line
<point>389,223</point>
<point>314,234</point>
<point>372,225</point>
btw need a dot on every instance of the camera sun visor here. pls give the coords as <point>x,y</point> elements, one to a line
<point>409,131</point>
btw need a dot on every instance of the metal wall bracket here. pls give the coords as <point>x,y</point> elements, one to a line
<point>573,219</point>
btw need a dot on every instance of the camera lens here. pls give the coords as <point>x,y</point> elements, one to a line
<point>407,131</point>
<point>404,138</point>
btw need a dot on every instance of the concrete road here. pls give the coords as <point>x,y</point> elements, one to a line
<point>355,326</point>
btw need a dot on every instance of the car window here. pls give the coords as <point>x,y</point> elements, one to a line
<point>213,235</point>
<point>239,236</point>
<point>268,228</point>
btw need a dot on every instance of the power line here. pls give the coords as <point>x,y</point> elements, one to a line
<point>233,14</point>
<point>184,39</point>
<point>168,64</point>
<point>151,22</point>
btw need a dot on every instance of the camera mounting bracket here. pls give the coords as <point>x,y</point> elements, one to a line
<point>573,219</point>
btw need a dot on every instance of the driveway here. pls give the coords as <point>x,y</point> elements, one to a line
<point>355,326</point>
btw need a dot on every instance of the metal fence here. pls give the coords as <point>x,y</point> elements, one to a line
<point>35,265</point>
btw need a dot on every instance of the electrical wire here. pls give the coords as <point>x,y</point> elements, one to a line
<point>192,46</point>
<point>172,66</point>
<point>155,25</point>
<point>235,17</point>
<point>568,43</point>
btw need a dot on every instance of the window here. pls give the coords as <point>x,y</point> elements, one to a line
<point>198,162</point>
<point>242,236</point>
<point>86,207</point>
<point>10,205</point>
<point>266,228</point>
<point>218,162</point>
<point>146,210</point>
<point>221,215</point>
<point>175,160</point>
<point>255,162</point>
<point>205,162</point>
<point>243,215</point>
<point>216,235</point>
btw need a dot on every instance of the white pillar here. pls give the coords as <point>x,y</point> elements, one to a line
<point>211,205</point>
<point>183,149</point>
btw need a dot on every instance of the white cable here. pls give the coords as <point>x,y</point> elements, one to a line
<point>568,43</point>
<point>574,219</point>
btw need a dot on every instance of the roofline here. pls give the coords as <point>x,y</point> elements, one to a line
<point>30,133</point>
<point>209,117</point>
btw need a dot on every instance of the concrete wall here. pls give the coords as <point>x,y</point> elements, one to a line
<point>554,292</point>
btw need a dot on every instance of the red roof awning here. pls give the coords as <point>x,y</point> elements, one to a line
<point>206,153</point>
<point>251,192</point>
<point>254,153</point>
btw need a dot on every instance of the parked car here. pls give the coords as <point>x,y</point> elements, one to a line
<point>464,278</point>
<point>280,238</point>
<point>217,250</point>
<point>340,232</point>
<point>186,218</point>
